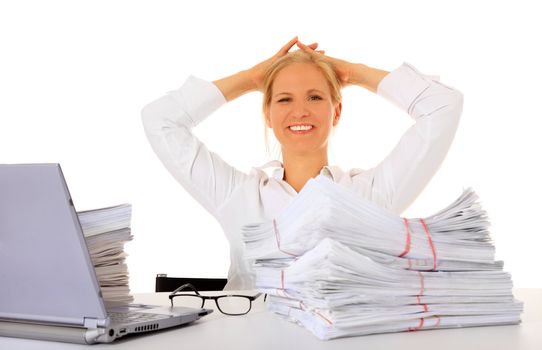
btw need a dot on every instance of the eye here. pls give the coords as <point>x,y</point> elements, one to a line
<point>284,99</point>
<point>314,98</point>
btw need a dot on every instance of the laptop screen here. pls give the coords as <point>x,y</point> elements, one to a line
<point>45,269</point>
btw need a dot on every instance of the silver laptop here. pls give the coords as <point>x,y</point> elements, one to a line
<point>48,285</point>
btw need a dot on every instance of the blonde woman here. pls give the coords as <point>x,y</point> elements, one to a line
<point>301,104</point>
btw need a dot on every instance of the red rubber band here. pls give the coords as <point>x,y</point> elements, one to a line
<point>277,236</point>
<point>420,326</point>
<point>425,307</point>
<point>408,239</point>
<point>430,244</point>
<point>419,302</point>
<point>323,317</point>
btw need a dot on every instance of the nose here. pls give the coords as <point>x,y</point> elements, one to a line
<point>299,110</point>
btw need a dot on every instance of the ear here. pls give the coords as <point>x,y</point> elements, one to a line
<point>267,118</point>
<point>338,109</point>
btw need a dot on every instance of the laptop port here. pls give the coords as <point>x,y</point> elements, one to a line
<point>122,331</point>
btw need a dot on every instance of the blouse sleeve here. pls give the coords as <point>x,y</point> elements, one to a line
<point>168,122</point>
<point>436,109</point>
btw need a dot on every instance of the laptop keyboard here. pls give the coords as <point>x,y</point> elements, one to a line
<point>133,317</point>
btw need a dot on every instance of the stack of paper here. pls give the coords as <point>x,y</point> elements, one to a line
<point>106,231</point>
<point>458,234</point>
<point>342,266</point>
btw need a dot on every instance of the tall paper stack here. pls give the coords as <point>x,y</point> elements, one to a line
<point>340,265</point>
<point>106,230</point>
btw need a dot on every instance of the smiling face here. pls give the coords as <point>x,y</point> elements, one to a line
<point>301,111</point>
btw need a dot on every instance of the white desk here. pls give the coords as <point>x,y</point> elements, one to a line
<point>261,329</point>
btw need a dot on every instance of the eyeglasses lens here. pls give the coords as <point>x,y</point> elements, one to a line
<point>234,305</point>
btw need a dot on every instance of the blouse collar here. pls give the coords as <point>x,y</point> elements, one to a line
<point>278,172</point>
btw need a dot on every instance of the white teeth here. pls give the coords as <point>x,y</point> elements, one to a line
<point>300,127</point>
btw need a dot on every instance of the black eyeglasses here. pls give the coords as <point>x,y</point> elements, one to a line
<point>230,304</point>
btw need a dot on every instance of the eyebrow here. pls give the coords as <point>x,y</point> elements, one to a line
<point>308,91</point>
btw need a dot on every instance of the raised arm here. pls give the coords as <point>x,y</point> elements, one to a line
<point>436,109</point>
<point>168,123</point>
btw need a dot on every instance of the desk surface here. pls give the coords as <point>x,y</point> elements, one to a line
<point>261,329</point>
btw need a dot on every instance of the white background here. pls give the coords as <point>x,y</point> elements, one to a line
<point>75,75</point>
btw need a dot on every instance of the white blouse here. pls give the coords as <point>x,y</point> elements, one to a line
<point>236,198</point>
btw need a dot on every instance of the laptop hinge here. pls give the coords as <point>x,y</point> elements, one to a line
<point>90,322</point>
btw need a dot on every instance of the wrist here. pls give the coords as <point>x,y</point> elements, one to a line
<point>235,85</point>
<point>367,77</point>
<point>250,80</point>
<point>357,75</point>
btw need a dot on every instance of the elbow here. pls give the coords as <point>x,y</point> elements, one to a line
<point>438,102</point>
<point>440,125</point>
<point>452,111</point>
<point>448,107</point>
<point>456,107</point>
<point>458,102</point>
<point>158,115</point>
<point>164,114</point>
<point>148,115</point>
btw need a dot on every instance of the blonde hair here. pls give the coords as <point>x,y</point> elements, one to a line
<point>298,56</point>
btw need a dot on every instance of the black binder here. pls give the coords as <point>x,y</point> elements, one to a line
<point>169,284</point>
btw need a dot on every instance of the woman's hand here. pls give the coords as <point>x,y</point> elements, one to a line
<point>252,79</point>
<point>257,72</point>
<point>345,70</point>
<point>351,73</point>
